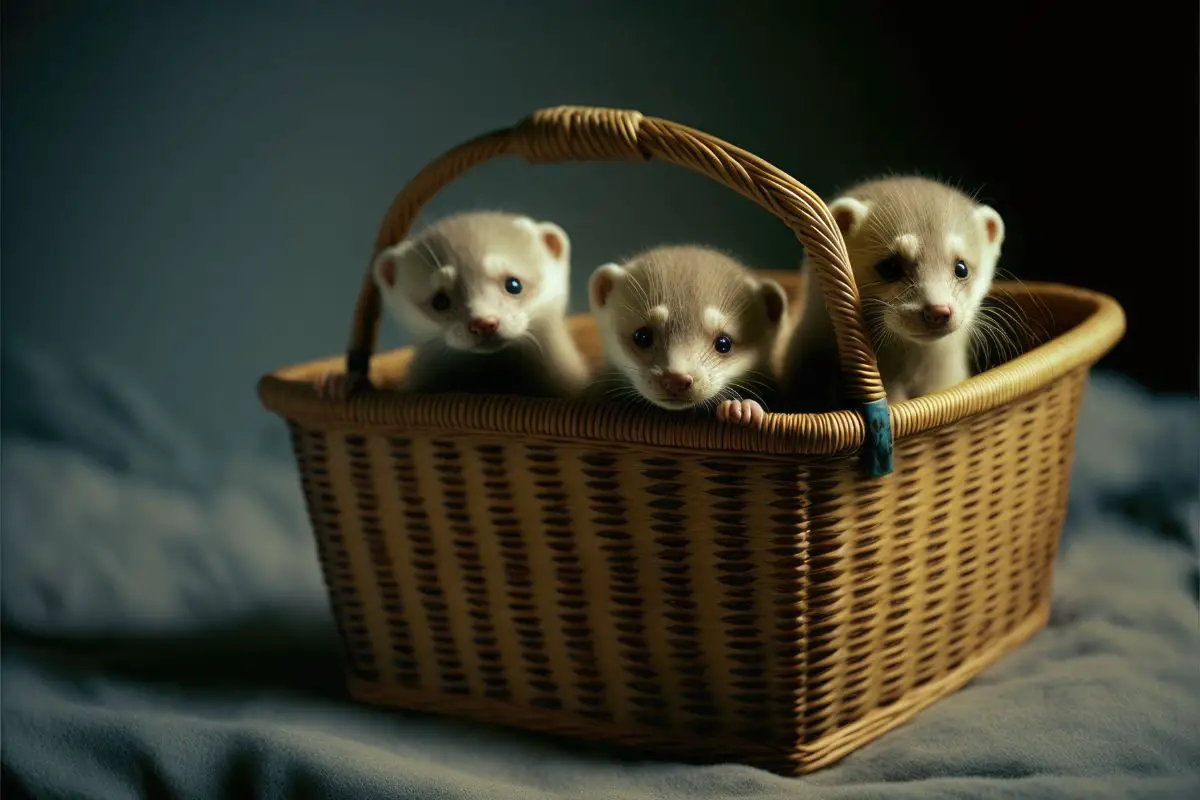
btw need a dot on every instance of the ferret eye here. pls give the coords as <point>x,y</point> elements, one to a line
<point>512,286</point>
<point>960,270</point>
<point>890,269</point>
<point>440,301</point>
<point>643,337</point>
<point>723,344</point>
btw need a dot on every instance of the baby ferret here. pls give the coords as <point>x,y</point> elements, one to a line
<point>923,256</point>
<point>485,296</point>
<point>688,327</point>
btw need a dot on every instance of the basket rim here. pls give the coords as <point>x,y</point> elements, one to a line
<point>289,392</point>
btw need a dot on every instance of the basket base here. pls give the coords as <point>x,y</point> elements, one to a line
<point>805,758</point>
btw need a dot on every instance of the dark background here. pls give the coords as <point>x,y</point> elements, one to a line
<point>190,190</point>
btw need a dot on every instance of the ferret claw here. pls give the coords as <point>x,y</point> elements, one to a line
<point>742,412</point>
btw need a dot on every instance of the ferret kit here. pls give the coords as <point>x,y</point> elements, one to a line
<point>727,515</point>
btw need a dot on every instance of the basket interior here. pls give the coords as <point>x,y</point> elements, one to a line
<point>1025,317</point>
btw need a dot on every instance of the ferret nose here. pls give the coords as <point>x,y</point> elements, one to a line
<point>484,325</point>
<point>937,316</point>
<point>675,383</point>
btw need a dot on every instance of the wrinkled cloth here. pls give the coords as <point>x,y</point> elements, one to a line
<point>166,634</point>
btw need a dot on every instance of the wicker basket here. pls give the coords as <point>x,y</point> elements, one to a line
<point>702,592</point>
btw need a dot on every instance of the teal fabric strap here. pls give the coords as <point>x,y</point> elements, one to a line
<point>877,447</point>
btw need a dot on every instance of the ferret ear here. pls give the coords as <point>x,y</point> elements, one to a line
<point>556,241</point>
<point>992,225</point>
<point>774,299</point>
<point>386,264</point>
<point>600,285</point>
<point>849,214</point>
<point>552,237</point>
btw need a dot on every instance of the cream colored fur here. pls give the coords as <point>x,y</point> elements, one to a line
<point>463,270</point>
<point>929,227</point>
<point>687,297</point>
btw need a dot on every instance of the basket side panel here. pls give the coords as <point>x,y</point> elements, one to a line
<point>327,504</point>
<point>656,595</point>
<point>691,569</point>
<point>934,567</point>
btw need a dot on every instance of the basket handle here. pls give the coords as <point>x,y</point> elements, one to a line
<point>582,133</point>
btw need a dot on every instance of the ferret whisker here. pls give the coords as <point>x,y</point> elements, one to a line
<point>755,378</point>
<point>1006,344</point>
<point>996,335</point>
<point>1009,307</point>
<point>759,384</point>
<point>878,329</point>
<point>981,345</point>
<point>1013,329</point>
<point>870,285</point>
<point>428,255</point>
<point>1038,303</point>
<point>741,390</point>
<point>641,296</point>
<point>648,291</point>
<point>1015,334</point>
<point>988,340</point>
<point>911,287</point>
<point>638,311</point>
<point>623,393</point>
<point>890,337</point>
<point>988,333</point>
<point>870,304</point>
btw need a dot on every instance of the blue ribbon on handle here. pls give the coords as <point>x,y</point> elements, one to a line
<point>877,447</point>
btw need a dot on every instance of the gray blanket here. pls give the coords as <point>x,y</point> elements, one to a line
<point>165,634</point>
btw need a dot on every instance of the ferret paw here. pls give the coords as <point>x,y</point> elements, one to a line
<point>741,412</point>
<point>340,385</point>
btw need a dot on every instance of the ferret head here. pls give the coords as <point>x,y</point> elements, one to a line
<point>477,280</point>
<point>685,325</point>
<point>923,255</point>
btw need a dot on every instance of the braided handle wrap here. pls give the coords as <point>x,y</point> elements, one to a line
<point>581,133</point>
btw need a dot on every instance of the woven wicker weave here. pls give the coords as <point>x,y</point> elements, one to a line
<point>696,590</point>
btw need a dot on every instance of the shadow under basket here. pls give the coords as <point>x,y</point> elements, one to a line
<point>695,591</point>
